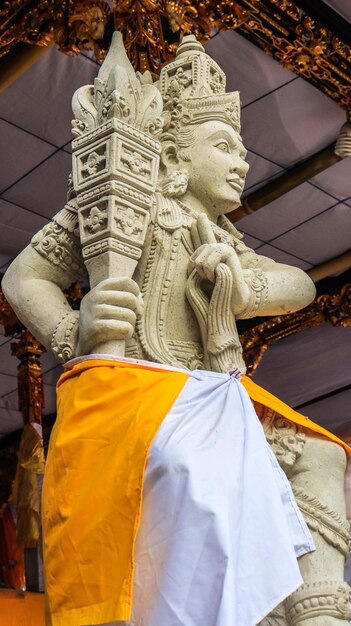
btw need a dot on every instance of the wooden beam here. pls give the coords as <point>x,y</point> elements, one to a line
<point>333,266</point>
<point>304,170</point>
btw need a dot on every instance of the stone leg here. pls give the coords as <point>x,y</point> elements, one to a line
<point>317,479</point>
<point>315,467</point>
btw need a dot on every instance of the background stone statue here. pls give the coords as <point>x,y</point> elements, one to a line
<point>194,278</point>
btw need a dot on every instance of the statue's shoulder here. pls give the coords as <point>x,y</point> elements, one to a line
<point>59,244</point>
<point>67,218</point>
<point>168,214</point>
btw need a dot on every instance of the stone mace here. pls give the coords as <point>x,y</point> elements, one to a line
<point>115,167</point>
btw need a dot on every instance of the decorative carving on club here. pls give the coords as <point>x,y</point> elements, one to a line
<point>115,167</point>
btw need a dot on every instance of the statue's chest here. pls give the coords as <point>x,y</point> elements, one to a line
<point>168,329</point>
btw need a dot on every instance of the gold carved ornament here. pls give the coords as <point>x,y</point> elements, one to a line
<point>30,463</point>
<point>73,26</point>
<point>152,29</point>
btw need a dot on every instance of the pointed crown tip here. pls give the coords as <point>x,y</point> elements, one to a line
<point>189,44</point>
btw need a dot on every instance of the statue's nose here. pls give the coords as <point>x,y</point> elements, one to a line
<point>240,166</point>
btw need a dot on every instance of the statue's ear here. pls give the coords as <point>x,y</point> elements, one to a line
<point>169,156</point>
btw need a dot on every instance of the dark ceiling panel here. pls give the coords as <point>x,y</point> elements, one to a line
<point>252,242</point>
<point>17,228</point>
<point>234,53</point>
<point>286,212</point>
<point>336,180</point>
<point>22,152</point>
<point>282,256</point>
<point>294,123</point>
<point>322,238</point>
<point>333,413</point>
<point>260,171</point>
<point>307,365</point>
<point>42,95</point>
<point>44,189</point>
<point>343,7</point>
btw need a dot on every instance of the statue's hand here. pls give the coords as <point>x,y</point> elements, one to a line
<point>108,312</point>
<point>209,254</point>
<point>207,258</point>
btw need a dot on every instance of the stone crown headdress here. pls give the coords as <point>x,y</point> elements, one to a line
<point>193,90</point>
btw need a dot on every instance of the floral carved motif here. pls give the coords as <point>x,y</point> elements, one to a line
<point>286,439</point>
<point>134,162</point>
<point>96,220</point>
<point>94,163</point>
<point>129,221</point>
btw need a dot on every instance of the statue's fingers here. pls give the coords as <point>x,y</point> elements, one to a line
<point>108,312</point>
<point>119,284</point>
<point>118,298</point>
<point>117,329</point>
<point>195,235</point>
<point>206,268</point>
<point>204,229</point>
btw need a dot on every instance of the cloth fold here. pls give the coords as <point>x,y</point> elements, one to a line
<point>185,455</point>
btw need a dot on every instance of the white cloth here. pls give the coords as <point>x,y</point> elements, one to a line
<point>220,531</point>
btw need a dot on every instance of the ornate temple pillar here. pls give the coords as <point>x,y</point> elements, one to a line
<point>26,490</point>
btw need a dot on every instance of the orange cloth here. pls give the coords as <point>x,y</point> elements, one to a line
<point>17,609</point>
<point>258,394</point>
<point>108,415</point>
<point>25,493</point>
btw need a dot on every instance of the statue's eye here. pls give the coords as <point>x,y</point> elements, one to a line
<point>223,145</point>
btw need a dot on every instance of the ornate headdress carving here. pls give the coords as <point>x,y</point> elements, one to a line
<point>193,90</point>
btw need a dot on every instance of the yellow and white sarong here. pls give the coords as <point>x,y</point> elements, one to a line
<point>163,503</point>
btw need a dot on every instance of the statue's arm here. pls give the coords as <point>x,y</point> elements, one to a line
<point>275,288</point>
<point>36,279</point>
<point>34,285</point>
<point>260,285</point>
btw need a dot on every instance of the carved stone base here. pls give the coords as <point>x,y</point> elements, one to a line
<point>318,600</point>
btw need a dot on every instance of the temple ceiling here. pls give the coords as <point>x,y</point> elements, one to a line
<point>292,66</point>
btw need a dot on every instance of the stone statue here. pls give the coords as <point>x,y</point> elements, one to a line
<point>186,276</point>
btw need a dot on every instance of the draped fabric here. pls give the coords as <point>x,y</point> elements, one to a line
<point>259,394</point>
<point>217,510</point>
<point>27,485</point>
<point>108,414</point>
<point>221,548</point>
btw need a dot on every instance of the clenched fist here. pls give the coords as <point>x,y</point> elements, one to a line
<point>108,313</point>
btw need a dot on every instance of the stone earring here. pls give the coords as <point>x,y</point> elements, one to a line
<point>175,184</point>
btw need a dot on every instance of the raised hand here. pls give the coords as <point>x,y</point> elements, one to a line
<point>209,254</point>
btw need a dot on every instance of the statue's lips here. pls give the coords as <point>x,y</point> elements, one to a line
<point>235,184</point>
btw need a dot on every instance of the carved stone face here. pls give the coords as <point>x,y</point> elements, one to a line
<point>217,169</point>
